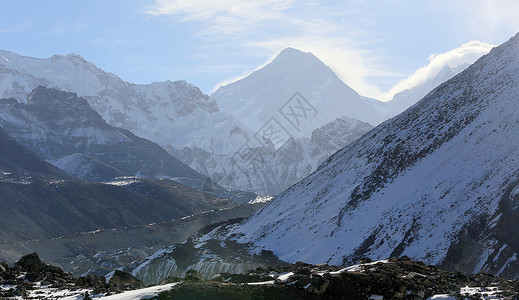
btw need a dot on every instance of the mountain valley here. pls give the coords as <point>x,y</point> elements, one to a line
<point>284,184</point>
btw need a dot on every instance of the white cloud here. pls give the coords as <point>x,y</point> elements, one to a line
<point>465,54</point>
<point>223,16</point>
<point>298,24</point>
<point>331,32</point>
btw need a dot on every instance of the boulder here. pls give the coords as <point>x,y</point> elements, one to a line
<point>125,281</point>
<point>30,263</point>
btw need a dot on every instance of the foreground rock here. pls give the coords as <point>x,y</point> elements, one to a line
<point>396,278</point>
<point>31,276</point>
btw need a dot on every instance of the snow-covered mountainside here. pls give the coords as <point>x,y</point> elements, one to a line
<point>296,92</point>
<point>179,117</point>
<point>168,113</point>
<point>63,129</point>
<point>438,183</point>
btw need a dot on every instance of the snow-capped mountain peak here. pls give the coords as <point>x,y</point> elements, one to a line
<point>179,117</point>
<point>296,91</point>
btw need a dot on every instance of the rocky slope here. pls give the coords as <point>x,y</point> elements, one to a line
<point>205,253</point>
<point>95,228</point>
<point>36,208</point>
<point>59,125</point>
<point>40,201</point>
<point>437,183</point>
<point>30,278</point>
<point>101,251</point>
<point>174,114</point>
<point>18,162</point>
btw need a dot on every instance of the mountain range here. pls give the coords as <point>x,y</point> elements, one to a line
<point>436,182</point>
<point>202,131</point>
<point>176,115</point>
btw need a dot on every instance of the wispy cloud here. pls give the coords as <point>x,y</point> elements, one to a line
<point>339,33</point>
<point>273,25</point>
<point>465,54</point>
<point>225,16</point>
<point>352,65</point>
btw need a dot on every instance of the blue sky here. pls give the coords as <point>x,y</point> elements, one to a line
<point>372,45</point>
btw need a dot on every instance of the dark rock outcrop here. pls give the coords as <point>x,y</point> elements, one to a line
<point>29,270</point>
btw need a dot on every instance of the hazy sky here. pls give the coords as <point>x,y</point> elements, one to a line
<point>372,45</point>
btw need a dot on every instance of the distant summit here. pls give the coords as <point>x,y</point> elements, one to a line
<point>295,56</point>
<point>298,91</point>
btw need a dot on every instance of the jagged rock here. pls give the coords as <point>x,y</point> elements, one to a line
<point>87,296</point>
<point>30,263</point>
<point>30,269</point>
<point>35,276</point>
<point>208,257</point>
<point>20,290</point>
